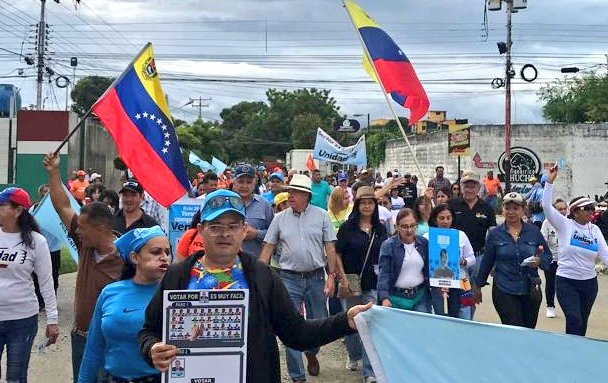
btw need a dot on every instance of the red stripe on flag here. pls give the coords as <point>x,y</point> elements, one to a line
<point>400,77</point>
<point>150,170</point>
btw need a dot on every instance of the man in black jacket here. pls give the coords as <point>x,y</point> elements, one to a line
<point>271,312</point>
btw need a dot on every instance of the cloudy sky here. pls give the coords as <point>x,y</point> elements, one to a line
<point>232,51</point>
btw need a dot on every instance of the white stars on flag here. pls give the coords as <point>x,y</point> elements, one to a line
<point>165,139</point>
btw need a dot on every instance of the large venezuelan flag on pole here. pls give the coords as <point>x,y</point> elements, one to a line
<point>397,75</point>
<point>136,114</point>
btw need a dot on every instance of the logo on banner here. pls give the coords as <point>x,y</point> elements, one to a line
<point>347,125</point>
<point>524,164</point>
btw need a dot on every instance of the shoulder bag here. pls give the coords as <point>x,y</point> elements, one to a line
<point>354,280</point>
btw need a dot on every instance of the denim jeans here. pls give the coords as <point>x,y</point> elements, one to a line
<point>453,302</point>
<point>576,298</point>
<point>307,290</point>
<point>354,347</point>
<point>18,335</point>
<point>550,284</point>
<point>515,310</point>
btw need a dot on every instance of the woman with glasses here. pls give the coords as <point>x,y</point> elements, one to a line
<point>119,314</point>
<point>580,244</point>
<point>514,250</point>
<point>358,245</point>
<point>456,193</point>
<point>441,217</point>
<point>403,281</point>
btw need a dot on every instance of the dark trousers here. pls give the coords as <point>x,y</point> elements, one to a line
<point>55,264</point>
<point>576,299</point>
<point>515,310</point>
<point>453,302</point>
<point>18,337</point>
<point>550,284</point>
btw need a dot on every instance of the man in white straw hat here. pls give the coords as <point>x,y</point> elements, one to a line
<point>304,234</point>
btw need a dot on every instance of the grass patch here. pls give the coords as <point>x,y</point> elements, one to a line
<point>67,263</point>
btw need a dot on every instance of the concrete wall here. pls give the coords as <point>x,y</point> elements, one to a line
<point>583,148</point>
<point>6,125</point>
<point>97,153</point>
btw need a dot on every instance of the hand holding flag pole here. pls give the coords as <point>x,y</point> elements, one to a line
<point>419,106</point>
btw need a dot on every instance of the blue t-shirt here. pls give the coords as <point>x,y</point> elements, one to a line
<point>112,341</point>
<point>320,194</point>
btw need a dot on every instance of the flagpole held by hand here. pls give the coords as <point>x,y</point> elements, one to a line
<point>78,126</point>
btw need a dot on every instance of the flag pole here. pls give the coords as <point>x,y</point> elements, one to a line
<point>88,113</point>
<point>390,104</point>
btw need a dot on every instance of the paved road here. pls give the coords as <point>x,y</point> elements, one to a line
<point>54,365</point>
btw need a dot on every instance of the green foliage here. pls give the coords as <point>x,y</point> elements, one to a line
<point>204,138</point>
<point>87,91</point>
<point>67,263</point>
<point>376,139</point>
<point>576,99</point>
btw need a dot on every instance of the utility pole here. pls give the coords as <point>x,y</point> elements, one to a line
<point>40,45</point>
<point>200,105</point>
<point>508,75</point>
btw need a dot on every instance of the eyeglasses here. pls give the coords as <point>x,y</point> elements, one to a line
<point>408,227</point>
<point>216,229</point>
<point>588,208</point>
<point>222,202</point>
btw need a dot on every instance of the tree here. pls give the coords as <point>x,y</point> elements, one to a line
<point>304,130</point>
<point>577,99</point>
<point>87,91</point>
<point>375,140</point>
<point>204,138</point>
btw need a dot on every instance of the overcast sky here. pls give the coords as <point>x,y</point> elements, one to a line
<point>232,51</point>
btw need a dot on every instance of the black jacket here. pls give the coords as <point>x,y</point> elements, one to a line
<point>271,314</point>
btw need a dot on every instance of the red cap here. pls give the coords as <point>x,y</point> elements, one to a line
<point>16,195</point>
<point>81,173</point>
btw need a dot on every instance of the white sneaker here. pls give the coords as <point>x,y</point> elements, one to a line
<point>351,364</point>
<point>550,312</point>
<point>370,379</point>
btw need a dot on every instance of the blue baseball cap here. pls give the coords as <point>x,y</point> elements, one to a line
<point>342,177</point>
<point>244,170</point>
<point>219,202</point>
<point>278,175</point>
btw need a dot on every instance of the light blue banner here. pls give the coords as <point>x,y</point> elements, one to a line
<point>180,217</point>
<point>406,346</point>
<point>218,165</point>
<point>50,223</point>
<point>202,164</point>
<point>329,150</point>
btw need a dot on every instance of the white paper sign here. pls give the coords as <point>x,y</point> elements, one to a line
<point>209,328</point>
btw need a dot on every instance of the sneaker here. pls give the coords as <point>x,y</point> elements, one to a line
<point>351,364</point>
<point>550,312</point>
<point>370,379</point>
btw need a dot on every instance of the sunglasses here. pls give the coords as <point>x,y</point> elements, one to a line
<point>220,202</point>
<point>588,208</point>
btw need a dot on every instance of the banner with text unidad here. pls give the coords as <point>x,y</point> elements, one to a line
<point>329,150</point>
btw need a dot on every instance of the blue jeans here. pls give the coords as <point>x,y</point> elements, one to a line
<point>576,298</point>
<point>307,290</point>
<point>354,347</point>
<point>492,200</point>
<point>18,335</point>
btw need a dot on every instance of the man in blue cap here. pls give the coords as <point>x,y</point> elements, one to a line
<point>258,212</point>
<point>277,185</point>
<point>222,265</point>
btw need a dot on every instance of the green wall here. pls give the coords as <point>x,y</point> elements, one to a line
<point>30,172</point>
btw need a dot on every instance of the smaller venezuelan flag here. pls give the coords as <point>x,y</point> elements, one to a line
<point>396,73</point>
<point>136,114</point>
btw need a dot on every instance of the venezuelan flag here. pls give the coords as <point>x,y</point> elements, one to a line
<point>396,72</point>
<point>136,114</point>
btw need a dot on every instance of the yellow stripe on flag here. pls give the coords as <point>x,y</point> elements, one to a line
<point>145,68</point>
<point>360,17</point>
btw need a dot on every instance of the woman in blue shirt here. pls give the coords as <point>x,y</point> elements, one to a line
<point>112,342</point>
<point>507,246</point>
